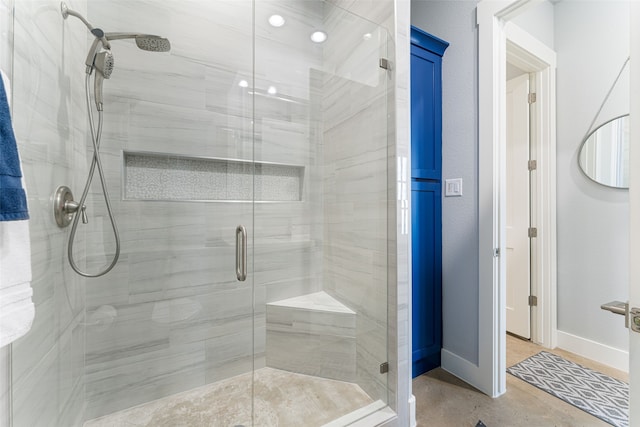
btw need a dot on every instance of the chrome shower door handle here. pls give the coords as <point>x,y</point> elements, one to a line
<point>241,253</point>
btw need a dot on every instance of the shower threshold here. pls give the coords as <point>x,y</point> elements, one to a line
<point>281,399</point>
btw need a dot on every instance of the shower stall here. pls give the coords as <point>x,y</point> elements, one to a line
<point>252,175</point>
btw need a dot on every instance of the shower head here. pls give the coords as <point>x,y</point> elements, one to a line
<point>103,64</point>
<point>146,42</point>
<point>153,43</point>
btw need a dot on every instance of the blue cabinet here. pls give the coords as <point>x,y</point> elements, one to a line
<point>426,198</point>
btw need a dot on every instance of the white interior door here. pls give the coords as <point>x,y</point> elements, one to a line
<point>517,182</point>
<point>634,218</point>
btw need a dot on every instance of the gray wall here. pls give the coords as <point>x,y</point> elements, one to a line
<point>591,39</point>
<point>592,43</point>
<point>538,20</point>
<point>454,21</point>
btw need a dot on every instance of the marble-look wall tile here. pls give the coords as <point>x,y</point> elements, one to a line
<point>356,146</point>
<point>6,36</point>
<point>49,121</point>
<point>5,387</point>
<point>122,381</point>
<point>173,300</point>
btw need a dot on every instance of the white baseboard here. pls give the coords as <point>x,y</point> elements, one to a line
<point>601,353</point>
<point>412,411</point>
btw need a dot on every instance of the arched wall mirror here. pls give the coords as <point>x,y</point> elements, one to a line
<point>604,155</point>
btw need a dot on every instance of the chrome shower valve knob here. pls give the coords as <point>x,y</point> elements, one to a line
<point>71,207</point>
<point>64,207</point>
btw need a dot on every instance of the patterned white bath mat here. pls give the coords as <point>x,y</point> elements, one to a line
<point>594,392</point>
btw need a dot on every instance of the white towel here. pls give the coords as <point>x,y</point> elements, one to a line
<point>16,307</point>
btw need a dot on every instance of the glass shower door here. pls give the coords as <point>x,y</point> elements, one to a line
<point>320,260</point>
<point>171,326</point>
<point>184,292</point>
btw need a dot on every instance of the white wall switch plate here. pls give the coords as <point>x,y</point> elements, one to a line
<point>453,187</point>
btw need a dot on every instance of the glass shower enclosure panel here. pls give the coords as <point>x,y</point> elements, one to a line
<point>172,319</point>
<point>320,260</point>
<point>247,171</point>
<point>181,152</point>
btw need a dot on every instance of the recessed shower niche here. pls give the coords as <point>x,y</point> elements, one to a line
<point>154,176</point>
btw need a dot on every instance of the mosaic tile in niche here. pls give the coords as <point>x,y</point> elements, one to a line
<point>150,176</point>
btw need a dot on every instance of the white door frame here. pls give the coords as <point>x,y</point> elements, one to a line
<point>494,31</point>
<point>634,224</point>
<point>531,55</point>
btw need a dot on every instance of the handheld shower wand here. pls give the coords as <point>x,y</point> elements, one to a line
<point>100,59</point>
<point>103,64</point>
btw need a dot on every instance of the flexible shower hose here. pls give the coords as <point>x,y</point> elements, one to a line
<point>95,139</point>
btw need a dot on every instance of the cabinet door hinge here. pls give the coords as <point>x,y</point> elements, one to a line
<point>533,301</point>
<point>533,232</point>
<point>384,367</point>
<point>532,165</point>
<point>531,98</point>
<point>385,64</point>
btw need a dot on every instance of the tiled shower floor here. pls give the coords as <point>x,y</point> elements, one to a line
<point>281,399</point>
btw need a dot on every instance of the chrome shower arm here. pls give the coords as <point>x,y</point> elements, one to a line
<point>66,12</point>
<point>97,32</point>
<point>122,36</point>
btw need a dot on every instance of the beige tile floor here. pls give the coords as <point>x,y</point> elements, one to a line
<point>442,400</point>
<point>282,399</point>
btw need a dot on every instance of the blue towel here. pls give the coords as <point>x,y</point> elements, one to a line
<point>13,200</point>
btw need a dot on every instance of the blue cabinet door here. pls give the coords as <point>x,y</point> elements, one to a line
<point>426,209</point>
<point>426,222</point>
<point>426,114</point>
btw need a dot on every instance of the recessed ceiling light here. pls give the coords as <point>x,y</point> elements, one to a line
<point>276,21</point>
<point>318,36</point>
<point>367,36</point>
<point>243,83</point>
<point>272,90</point>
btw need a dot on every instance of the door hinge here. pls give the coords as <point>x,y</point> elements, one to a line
<point>533,232</point>
<point>532,165</point>
<point>634,319</point>
<point>533,301</point>
<point>384,367</point>
<point>531,98</point>
<point>496,252</point>
<point>385,64</point>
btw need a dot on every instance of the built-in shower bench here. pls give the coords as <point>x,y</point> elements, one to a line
<point>312,334</point>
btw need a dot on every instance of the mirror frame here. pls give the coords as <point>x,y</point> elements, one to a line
<point>584,141</point>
